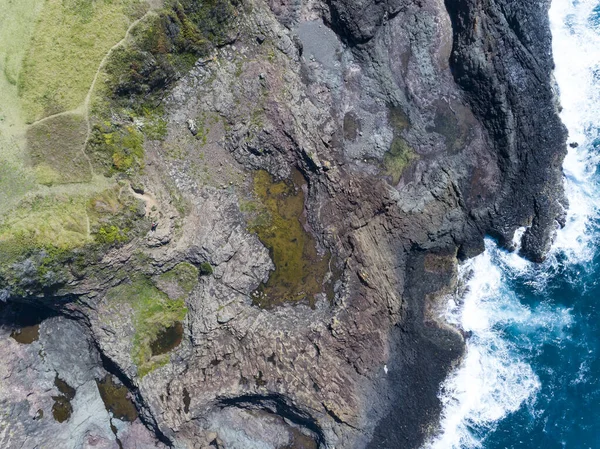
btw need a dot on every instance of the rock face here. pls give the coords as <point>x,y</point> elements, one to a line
<point>418,126</point>
<point>502,59</point>
<point>49,395</point>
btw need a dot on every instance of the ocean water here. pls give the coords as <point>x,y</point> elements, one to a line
<point>531,374</point>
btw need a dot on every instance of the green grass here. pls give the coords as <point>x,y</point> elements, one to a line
<point>59,221</point>
<point>70,40</point>
<point>299,270</point>
<point>67,221</point>
<point>17,24</point>
<point>55,149</point>
<point>15,182</point>
<point>153,313</point>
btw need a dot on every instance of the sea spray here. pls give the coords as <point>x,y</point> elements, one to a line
<point>576,49</point>
<point>519,327</point>
<point>492,380</point>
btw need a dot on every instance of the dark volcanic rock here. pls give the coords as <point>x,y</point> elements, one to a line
<point>502,59</point>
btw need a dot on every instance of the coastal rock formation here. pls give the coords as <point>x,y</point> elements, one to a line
<point>299,210</point>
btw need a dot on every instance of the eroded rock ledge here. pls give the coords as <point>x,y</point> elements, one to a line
<point>418,128</point>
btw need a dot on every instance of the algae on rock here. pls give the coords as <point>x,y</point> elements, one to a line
<point>299,269</point>
<point>153,314</point>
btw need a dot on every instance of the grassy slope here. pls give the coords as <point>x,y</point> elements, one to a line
<point>71,39</point>
<point>51,45</point>
<point>56,150</point>
<point>17,23</point>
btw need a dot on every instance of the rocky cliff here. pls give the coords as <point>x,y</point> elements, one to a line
<point>278,242</point>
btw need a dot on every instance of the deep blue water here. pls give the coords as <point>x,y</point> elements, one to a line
<point>565,411</point>
<point>531,373</point>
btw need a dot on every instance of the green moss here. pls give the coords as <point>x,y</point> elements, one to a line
<point>299,270</point>
<point>109,235</point>
<point>153,313</point>
<point>206,269</point>
<point>184,275</point>
<point>397,158</point>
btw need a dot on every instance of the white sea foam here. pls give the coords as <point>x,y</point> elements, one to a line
<point>495,378</point>
<point>492,380</point>
<point>576,49</point>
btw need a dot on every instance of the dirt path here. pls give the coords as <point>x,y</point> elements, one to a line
<point>84,108</point>
<point>148,199</point>
<point>88,97</point>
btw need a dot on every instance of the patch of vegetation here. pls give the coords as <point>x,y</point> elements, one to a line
<point>71,39</point>
<point>400,154</point>
<point>164,47</point>
<point>17,25</point>
<point>299,270</point>
<point>119,148</point>
<point>115,216</point>
<point>137,75</point>
<point>155,129</point>
<point>55,149</point>
<point>109,235</point>
<point>58,221</point>
<point>47,238</point>
<point>397,158</point>
<point>15,182</point>
<point>183,276</point>
<point>153,313</point>
<point>206,269</point>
